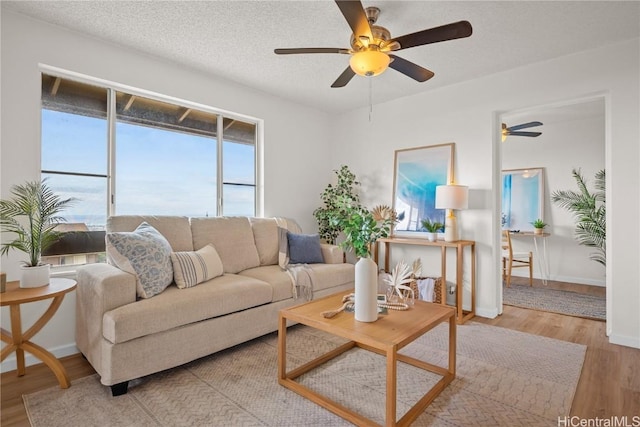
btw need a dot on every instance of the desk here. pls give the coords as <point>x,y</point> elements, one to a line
<point>459,246</point>
<point>17,340</point>
<point>543,262</point>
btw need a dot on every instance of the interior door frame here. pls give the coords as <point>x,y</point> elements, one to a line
<point>497,184</point>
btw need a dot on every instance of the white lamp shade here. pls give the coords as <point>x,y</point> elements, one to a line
<point>452,196</point>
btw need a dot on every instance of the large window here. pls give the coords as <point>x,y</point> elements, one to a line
<point>122,153</point>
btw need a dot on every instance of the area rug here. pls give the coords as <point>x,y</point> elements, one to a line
<point>504,377</point>
<point>555,301</point>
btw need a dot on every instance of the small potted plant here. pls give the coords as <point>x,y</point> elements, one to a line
<point>32,215</point>
<point>538,226</point>
<point>432,227</point>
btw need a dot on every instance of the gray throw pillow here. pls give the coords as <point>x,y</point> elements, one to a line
<point>304,248</point>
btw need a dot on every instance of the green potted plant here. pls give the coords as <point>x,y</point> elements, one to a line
<point>432,227</point>
<point>362,228</point>
<point>336,198</point>
<point>589,211</point>
<point>32,215</point>
<point>538,226</point>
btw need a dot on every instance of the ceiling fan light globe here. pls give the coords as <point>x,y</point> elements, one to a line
<point>369,62</point>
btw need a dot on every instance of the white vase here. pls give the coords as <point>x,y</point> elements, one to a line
<point>33,277</point>
<point>366,309</point>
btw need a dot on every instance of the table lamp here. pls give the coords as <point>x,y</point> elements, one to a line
<point>451,197</point>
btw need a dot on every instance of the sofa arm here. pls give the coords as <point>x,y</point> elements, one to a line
<point>101,288</point>
<point>332,254</point>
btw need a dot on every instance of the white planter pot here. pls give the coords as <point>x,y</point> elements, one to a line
<point>432,236</point>
<point>366,294</point>
<point>33,277</point>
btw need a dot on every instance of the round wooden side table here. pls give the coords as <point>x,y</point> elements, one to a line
<point>17,340</point>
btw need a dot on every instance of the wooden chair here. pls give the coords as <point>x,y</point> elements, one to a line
<point>511,260</point>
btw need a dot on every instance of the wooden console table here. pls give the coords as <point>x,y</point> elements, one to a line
<point>459,246</point>
<point>17,340</point>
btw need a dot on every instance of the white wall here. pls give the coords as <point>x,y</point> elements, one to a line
<point>563,146</point>
<point>467,114</point>
<point>464,113</point>
<point>293,134</point>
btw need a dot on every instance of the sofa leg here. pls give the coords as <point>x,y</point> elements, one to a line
<point>119,389</point>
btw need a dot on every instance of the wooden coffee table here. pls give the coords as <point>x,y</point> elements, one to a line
<point>386,336</point>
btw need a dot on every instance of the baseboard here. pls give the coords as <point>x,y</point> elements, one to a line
<point>11,364</point>
<point>580,280</point>
<point>633,342</point>
<point>569,279</point>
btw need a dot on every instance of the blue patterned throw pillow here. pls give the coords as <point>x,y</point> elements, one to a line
<point>146,254</point>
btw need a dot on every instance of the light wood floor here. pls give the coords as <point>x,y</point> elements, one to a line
<point>609,385</point>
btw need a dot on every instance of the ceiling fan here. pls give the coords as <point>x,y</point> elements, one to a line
<point>371,45</point>
<point>515,130</point>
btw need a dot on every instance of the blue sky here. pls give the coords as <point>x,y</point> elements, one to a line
<point>157,171</point>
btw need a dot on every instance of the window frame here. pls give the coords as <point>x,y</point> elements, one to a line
<point>113,87</point>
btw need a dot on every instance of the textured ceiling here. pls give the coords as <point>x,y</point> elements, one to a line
<point>235,39</point>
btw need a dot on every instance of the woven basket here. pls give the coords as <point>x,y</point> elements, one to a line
<point>437,288</point>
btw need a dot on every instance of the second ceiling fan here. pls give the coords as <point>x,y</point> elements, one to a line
<point>371,44</point>
<point>516,130</point>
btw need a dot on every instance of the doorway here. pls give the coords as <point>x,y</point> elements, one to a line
<point>572,136</point>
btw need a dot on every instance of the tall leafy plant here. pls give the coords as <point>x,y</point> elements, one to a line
<point>32,215</point>
<point>589,212</point>
<point>336,198</point>
<point>362,227</point>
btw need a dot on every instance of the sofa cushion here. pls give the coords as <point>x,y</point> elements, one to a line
<point>176,229</point>
<point>193,268</point>
<point>232,238</point>
<point>177,307</point>
<point>304,248</point>
<point>278,278</point>
<point>265,234</point>
<point>144,253</point>
<point>326,276</point>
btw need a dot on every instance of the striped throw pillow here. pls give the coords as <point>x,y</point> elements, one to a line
<point>193,268</point>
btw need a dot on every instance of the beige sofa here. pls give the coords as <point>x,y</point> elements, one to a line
<point>125,337</point>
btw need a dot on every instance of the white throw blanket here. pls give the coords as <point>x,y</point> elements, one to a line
<point>302,279</point>
<point>425,289</point>
<point>301,275</point>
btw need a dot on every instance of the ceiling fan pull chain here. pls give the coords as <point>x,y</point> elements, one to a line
<point>370,97</point>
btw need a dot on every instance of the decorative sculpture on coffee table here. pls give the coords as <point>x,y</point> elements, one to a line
<point>398,291</point>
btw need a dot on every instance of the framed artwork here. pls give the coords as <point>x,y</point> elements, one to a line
<point>417,172</point>
<point>522,198</point>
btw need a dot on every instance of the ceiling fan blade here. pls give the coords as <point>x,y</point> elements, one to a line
<point>456,30</point>
<point>524,126</point>
<point>356,17</point>
<point>344,78</point>
<point>311,50</point>
<point>532,134</point>
<point>410,69</point>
